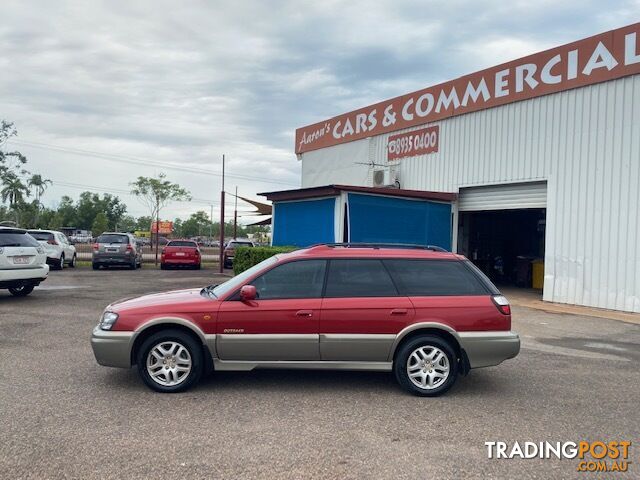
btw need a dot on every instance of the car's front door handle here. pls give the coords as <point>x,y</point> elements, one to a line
<point>399,311</point>
<point>304,313</point>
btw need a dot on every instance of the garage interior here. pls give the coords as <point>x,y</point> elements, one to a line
<point>507,245</point>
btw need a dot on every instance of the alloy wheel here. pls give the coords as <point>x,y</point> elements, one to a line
<point>169,363</point>
<point>428,367</point>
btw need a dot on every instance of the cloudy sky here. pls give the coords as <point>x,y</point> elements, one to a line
<point>102,92</point>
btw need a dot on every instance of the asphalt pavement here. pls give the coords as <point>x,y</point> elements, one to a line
<point>64,416</point>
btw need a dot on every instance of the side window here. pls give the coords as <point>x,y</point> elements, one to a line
<point>359,278</point>
<point>434,277</point>
<point>301,279</point>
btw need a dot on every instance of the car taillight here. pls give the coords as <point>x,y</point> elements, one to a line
<point>163,251</point>
<point>129,247</point>
<point>502,304</point>
<point>96,247</point>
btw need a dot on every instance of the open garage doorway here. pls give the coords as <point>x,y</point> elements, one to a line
<point>501,229</point>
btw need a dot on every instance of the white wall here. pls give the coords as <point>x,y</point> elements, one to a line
<point>584,142</point>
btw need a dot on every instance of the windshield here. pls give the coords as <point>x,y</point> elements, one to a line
<point>240,244</point>
<point>235,282</point>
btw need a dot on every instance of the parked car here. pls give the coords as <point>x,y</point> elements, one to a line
<point>426,315</point>
<point>180,253</point>
<point>56,245</point>
<point>113,248</point>
<point>23,262</point>
<point>230,249</point>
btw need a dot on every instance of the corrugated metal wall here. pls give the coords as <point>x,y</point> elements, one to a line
<point>585,143</point>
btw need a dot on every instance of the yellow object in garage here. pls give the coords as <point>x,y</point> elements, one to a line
<point>537,273</point>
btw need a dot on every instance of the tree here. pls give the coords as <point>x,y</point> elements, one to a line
<point>90,204</point>
<point>197,224</point>
<point>100,224</point>
<point>127,224</point>
<point>39,185</point>
<point>10,162</point>
<point>14,191</point>
<point>157,193</point>
<point>143,223</point>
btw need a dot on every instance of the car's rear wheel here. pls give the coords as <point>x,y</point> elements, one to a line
<point>74,260</point>
<point>95,266</point>
<point>170,361</point>
<point>426,366</point>
<point>22,291</point>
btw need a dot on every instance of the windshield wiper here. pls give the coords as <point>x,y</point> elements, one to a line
<point>209,290</point>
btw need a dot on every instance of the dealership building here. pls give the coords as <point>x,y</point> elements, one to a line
<point>532,162</point>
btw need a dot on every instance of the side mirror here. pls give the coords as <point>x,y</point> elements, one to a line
<point>248,293</point>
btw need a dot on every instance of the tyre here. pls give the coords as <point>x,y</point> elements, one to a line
<point>170,361</point>
<point>22,291</point>
<point>74,261</point>
<point>95,266</point>
<point>426,366</point>
<point>134,264</point>
<point>198,266</point>
<point>163,266</point>
<point>60,264</point>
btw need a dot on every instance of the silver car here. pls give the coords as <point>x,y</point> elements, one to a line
<point>113,248</point>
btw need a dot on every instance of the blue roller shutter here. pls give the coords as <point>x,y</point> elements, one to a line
<point>380,219</point>
<point>304,223</point>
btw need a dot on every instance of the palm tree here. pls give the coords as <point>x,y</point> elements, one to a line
<point>14,192</point>
<point>39,185</point>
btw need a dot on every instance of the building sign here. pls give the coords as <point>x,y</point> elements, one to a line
<point>411,144</point>
<point>165,227</point>
<point>593,60</point>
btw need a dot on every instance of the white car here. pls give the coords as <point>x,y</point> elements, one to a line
<point>23,261</point>
<point>59,250</point>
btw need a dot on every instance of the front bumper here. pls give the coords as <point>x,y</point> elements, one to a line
<point>485,349</point>
<point>112,349</point>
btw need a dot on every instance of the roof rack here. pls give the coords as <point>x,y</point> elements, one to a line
<point>434,248</point>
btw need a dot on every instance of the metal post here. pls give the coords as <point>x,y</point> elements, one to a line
<point>235,217</point>
<point>222,221</point>
<point>211,225</point>
<point>157,227</point>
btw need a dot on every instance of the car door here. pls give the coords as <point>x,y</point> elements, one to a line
<point>281,323</point>
<point>68,249</point>
<point>362,311</point>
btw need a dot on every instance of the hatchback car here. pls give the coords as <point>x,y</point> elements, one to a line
<point>181,253</point>
<point>22,261</point>
<point>230,249</point>
<point>112,248</point>
<point>59,250</point>
<point>426,315</point>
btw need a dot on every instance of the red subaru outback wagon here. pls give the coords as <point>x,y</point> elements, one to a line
<point>427,315</point>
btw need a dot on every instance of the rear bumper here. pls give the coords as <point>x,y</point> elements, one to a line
<point>485,349</point>
<point>19,277</point>
<point>112,349</point>
<point>181,261</point>
<point>110,259</point>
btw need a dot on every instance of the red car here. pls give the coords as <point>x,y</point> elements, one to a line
<point>181,253</point>
<point>427,315</point>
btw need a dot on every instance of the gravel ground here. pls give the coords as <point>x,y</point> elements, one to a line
<point>64,416</point>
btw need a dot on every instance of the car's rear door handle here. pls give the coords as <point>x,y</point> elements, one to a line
<point>304,313</point>
<point>399,311</point>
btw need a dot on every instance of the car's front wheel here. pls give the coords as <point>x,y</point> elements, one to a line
<point>22,291</point>
<point>60,264</point>
<point>74,261</point>
<point>426,366</point>
<point>170,361</point>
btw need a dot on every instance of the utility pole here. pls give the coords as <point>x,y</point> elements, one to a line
<point>157,226</point>
<point>235,217</point>
<point>222,221</point>
<point>211,224</point>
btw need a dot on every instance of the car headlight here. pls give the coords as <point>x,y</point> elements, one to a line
<point>107,320</point>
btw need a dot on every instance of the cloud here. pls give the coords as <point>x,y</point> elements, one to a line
<point>185,83</point>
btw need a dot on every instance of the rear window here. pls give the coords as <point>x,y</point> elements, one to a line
<point>112,239</point>
<point>44,236</point>
<point>12,238</point>
<point>182,243</point>
<point>359,278</point>
<point>419,278</point>
<point>240,244</point>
